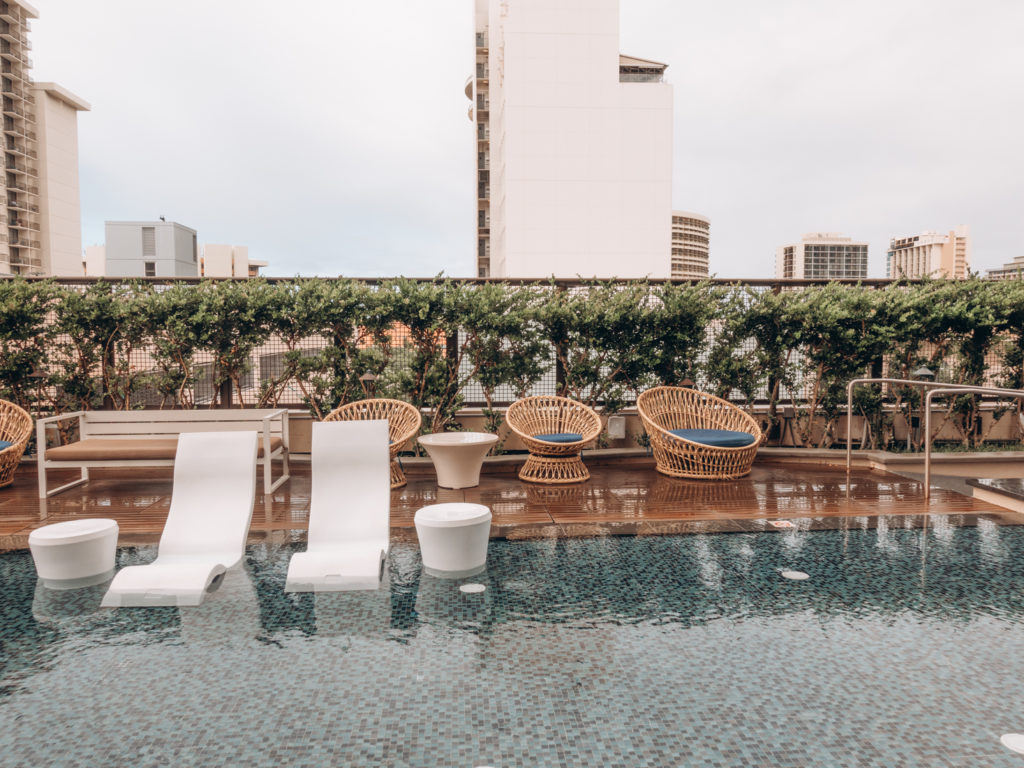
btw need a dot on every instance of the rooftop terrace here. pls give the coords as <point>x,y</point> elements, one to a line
<point>625,496</point>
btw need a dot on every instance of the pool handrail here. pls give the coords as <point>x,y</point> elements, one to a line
<point>949,390</point>
<point>933,387</point>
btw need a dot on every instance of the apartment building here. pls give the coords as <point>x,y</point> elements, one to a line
<point>150,249</point>
<point>930,254</point>
<point>165,249</point>
<point>228,261</point>
<point>822,256</point>
<point>39,198</point>
<point>691,242</point>
<point>1012,271</point>
<point>573,144</point>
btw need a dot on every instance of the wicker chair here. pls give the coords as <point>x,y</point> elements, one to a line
<point>403,420</point>
<point>15,429</point>
<point>674,408</point>
<point>554,431</point>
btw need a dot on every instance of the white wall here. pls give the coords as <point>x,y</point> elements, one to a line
<point>225,260</point>
<point>60,216</point>
<point>95,260</point>
<point>581,164</point>
<point>175,249</point>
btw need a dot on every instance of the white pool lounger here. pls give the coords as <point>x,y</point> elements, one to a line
<point>349,509</point>
<point>206,528</point>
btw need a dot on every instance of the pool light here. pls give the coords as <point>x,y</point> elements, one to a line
<point>1013,742</point>
<point>472,589</point>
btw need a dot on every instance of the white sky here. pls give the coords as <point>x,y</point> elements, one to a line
<point>331,136</point>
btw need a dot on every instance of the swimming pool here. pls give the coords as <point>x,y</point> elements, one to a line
<point>903,648</point>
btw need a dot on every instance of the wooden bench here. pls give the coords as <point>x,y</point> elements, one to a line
<point>150,439</point>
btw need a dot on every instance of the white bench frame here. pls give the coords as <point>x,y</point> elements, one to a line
<point>163,424</point>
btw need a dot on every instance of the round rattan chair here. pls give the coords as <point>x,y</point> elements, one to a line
<point>403,420</point>
<point>676,408</point>
<point>554,431</point>
<point>15,430</point>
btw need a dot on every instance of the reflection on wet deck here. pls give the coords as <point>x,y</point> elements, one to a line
<point>619,499</point>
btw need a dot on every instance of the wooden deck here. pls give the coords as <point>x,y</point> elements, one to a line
<point>621,498</point>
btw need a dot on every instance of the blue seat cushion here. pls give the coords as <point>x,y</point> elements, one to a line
<point>560,437</point>
<point>720,438</point>
<point>5,444</point>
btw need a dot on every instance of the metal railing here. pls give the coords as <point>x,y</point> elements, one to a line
<point>947,389</point>
<point>933,388</point>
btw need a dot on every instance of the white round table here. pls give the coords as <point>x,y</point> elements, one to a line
<point>458,456</point>
<point>453,538</point>
<point>76,553</point>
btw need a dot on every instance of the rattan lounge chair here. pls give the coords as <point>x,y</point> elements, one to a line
<point>697,435</point>
<point>349,510</point>
<point>15,430</point>
<point>403,420</point>
<point>554,431</point>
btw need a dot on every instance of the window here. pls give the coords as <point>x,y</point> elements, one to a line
<point>148,241</point>
<point>150,269</point>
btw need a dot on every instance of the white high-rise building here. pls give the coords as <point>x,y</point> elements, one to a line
<point>691,245</point>
<point>574,144</point>
<point>822,256</point>
<point>930,254</point>
<point>60,213</point>
<point>39,202</point>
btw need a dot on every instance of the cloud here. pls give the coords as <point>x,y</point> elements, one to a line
<point>331,137</point>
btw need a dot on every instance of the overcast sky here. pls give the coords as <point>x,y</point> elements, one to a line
<point>331,136</point>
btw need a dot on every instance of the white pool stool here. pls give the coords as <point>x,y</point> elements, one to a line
<point>76,553</point>
<point>453,538</point>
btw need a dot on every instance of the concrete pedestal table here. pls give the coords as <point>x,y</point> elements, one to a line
<point>458,456</point>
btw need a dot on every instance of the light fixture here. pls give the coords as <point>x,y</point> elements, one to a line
<point>924,374</point>
<point>794,575</point>
<point>368,381</point>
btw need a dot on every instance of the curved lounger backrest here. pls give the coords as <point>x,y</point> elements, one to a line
<point>213,496</point>
<point>351,485</point>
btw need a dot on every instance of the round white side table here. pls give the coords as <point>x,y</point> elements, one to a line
<point>76,553</point>
<point>453,538</point>
<point>458,456</point>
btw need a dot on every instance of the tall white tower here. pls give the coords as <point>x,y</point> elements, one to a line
<point>574,144</point>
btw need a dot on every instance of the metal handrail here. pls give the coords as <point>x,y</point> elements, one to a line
<point>908,382</point>
<point>950,389</point>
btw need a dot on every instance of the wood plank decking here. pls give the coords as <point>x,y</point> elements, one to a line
<point>619,499</point>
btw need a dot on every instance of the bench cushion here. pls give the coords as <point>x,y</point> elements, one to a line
<point>116,449</point>
<point>720,438</point>
<point>5,444</point>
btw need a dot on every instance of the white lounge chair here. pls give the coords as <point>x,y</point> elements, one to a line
<point>349,509</point>
<point>211,508</point>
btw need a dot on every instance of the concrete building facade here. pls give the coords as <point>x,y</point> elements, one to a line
<point>573,142</point>
<point>228,261</point>
<point>1012,271</point>
<point>150,249</point>
<point>930,254</point>
<point>39,199</point>
<point>822,256</point>
<point>60,214</point>
<point>691,245</point>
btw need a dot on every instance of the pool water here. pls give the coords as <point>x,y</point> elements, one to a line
<point>903,648</point>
